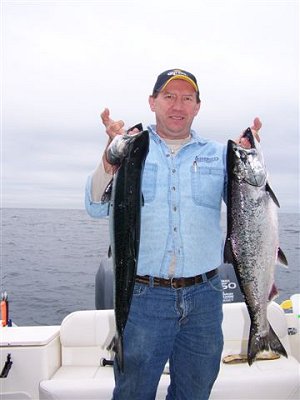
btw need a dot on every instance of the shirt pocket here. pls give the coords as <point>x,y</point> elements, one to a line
<point>149,183</point>
<point>207,186</point>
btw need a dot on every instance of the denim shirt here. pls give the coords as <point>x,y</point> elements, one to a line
<point>182,205</point>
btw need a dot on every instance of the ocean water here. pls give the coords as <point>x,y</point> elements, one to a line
<point>49,259</point>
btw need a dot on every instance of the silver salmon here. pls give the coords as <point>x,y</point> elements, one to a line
<point>252,243</point>
<point>128,152</point>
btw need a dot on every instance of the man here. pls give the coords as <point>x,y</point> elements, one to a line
<point>176,310</point>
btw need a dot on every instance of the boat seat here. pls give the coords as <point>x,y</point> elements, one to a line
<point>267,379</point>
<point>85,335</point>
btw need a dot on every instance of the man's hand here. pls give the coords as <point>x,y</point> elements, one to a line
<point>113,128</point>
<point>256,127</point>
<point>243,141</point>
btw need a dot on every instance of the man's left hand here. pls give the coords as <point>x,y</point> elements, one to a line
<point>243,141</point>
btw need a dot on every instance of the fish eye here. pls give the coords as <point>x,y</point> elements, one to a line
<point>243,156</point>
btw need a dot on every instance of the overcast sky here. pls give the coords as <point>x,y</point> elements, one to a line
<point>64,61</point>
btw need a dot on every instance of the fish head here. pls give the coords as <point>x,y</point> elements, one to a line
<point>117,149</point>
<point>247,164</point>
<point>122,145</point>
<point>139,147</point>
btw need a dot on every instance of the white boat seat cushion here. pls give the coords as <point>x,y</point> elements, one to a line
<point>236,326</point>
<point>86,334</point>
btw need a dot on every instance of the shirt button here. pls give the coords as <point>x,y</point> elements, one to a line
<point>173,171</point>
<point>173,188</point>
<point>175,229</point>
<point>174,208</point>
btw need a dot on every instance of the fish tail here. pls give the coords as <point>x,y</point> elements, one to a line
<point>275,343</point>
<point>259,343</point>
<point>116,345</point>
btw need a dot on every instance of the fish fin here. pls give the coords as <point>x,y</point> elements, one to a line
<point>273,292</point>
<point>259,343</point>
<point>137,126</point>
<point>109,252</point>
<point>281,257</point>
<point>228,256</point>
<point>143,200</point>
<point>116,345</point>
<point>106,196</point>
<point>272,194</point>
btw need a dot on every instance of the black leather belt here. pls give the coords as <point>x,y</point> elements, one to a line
<point>176,283</point>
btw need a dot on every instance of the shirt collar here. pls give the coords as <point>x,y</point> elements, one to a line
<point>194,137</point>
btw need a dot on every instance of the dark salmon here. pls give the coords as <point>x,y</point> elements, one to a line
<point>128,152</point>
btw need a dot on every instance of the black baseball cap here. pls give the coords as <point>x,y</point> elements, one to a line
<point>167,76</point>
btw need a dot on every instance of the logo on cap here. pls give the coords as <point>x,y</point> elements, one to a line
<point>176,72</point>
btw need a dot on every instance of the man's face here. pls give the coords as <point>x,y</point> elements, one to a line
<point>175,108</point>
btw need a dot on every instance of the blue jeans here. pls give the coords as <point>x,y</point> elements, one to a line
<point>179,325</point>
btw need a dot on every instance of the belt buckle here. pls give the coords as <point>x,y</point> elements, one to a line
<point>174,283</point>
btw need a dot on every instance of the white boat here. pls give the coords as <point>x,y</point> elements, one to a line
<point>64,362</point>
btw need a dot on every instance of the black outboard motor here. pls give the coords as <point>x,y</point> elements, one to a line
<point>104,281</point>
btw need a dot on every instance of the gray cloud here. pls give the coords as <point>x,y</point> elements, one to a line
<point>64,61</point>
